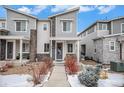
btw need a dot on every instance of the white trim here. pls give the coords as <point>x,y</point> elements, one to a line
<point>110,45</point>
<point>26,26</point>
<point>70,27</point>
<point>121,27</point>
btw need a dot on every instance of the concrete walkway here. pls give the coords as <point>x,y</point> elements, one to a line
<point>58,77</point>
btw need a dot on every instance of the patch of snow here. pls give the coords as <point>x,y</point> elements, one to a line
<point>114,80</point>
<point>74,82</point>
<point>15,81</point>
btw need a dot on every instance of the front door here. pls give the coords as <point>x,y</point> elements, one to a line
<point>9,50</point>
<point>59,51</point>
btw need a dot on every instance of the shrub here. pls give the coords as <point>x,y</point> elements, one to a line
<point>48,61</point>
<point>90,77</point>
<point>38,72</point>
<point>71,65</point>
<point>9,65</point>
<point>3,68</point>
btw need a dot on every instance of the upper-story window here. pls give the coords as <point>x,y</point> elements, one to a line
<point>3,25</point>
<point>21,25</point>
<point>122,27</point>
<point>102,26</point>
<point>66,26</point>
<point>45,27</point>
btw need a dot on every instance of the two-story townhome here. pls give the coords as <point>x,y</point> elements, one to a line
<point>26,36</point>
<point>103,41</point>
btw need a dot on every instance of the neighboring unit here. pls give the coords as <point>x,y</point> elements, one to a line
<point>103,41</point>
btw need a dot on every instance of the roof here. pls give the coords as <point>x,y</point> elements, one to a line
<point>2,19</point>
<point>43,20</point>
<point>67,11</point>
<point>100,21</point>
<point>9,8</point>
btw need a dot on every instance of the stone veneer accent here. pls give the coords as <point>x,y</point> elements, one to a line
<point>33,45</point>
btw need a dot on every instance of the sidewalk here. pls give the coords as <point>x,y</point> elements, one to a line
<point>58,77</point>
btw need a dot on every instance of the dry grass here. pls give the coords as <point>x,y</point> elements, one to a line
<point>20,69</point>
<point>89,62</point>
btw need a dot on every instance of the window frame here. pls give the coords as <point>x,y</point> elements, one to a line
<point>72,48</point>
<point>2,25</point>
<point>106,26</point>
<point>46,27</point>
<point>121,28</point>
<point>111,45</point>
<point>47,46</point>
<point>70,26</point>
<point>20,21</point>
<point>26,47</point>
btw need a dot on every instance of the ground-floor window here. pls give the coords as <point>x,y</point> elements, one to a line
<point>112,46</point>
<point>70,48</point>
<point>46,47</point>
<point>25,47</point>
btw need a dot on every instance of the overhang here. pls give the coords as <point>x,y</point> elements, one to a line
<point>65,38</point>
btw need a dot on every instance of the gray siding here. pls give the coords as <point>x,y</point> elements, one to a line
<point>98,47</point>
<point>59,32</point>
<point>11,16</point>
<point>117,26</point>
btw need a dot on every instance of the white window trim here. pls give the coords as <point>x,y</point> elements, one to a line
<point>70,27</point>
<point>106,27</point>
<point>121,28</point>
<point>110,45</point>
<point>72,48</point>
<point>26,26</point>
<point>43,27</point>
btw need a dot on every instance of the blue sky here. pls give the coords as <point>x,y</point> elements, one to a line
<point>87,14</point>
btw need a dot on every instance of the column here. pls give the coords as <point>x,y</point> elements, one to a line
<point>78,51</point>
<point>50,48</point>
<point>14,49</point>
<point>21,42</point>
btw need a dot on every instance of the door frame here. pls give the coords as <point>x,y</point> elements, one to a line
<point>62,50</point>
<point>13,41</point>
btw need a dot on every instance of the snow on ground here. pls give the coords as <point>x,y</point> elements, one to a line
<point>114,80</point>
<point>74,82</point>
<point>16,80</point>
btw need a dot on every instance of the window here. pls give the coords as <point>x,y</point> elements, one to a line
<point>122,27</point>
<point>44,27</point>
<point>70,48</point>
<point>112,46</point>
<point>102,26</point>
<point>25,47</point>
<point>3,25</point>
<point>46,47</point>
<point>66,26</point>
<point>21,25</point>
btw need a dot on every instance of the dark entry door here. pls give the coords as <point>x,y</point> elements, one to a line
<point>59,51</point>
<point>9,50</point>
